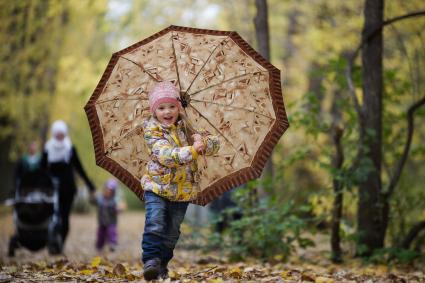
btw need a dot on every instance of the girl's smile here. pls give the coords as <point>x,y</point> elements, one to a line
<point>167,113</point>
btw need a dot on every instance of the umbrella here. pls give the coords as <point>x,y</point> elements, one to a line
<point>227,88</point>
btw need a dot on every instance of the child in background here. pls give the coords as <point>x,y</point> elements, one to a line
<point>107,208</point>
<point>171,179</point>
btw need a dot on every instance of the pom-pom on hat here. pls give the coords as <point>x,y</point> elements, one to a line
<point>111,184</point>
<point>163,92</point>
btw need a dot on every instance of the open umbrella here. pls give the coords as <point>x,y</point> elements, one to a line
<point>227,88</point>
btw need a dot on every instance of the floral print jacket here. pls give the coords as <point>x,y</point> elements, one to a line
<point>172,171</point>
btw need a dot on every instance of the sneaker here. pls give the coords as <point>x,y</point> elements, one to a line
<point>152,269</point>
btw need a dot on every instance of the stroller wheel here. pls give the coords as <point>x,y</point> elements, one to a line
<point>13,245</point>
<point>11,252</point>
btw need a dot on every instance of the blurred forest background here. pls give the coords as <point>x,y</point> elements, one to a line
<point>53,54</point>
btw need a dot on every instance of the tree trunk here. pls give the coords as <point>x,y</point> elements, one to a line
<point>337,162</point>
<point>6,169</point>
<point>371,207</point>
<point>262,34</point>
<point>262,28</point>
<point>338,200</point>
<point>292,30</point>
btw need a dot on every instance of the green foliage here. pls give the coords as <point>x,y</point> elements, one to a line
<point>81,204</point>
<point>268,229</point>
<point>403,85</point>
<point>133,202</point>
<point>31,36</point>
<point>393,255</point>
<point>407,205</point>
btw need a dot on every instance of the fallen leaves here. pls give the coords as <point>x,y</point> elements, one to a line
<point>81,265</point>
<point>87,272</point>
<point>96,261</point>
<point>322,279</point>
<point>119,270</point>
<point>100,269</point>
<point>235,272</point>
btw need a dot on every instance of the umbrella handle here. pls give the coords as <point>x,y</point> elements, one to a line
<point>205,160</point>
<point>203,154</point>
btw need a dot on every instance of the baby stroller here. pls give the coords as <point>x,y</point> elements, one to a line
<point>36,214</point>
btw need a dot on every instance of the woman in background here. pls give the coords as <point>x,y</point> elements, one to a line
<point>60,159</point>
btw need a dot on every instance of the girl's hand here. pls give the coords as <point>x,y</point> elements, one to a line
<point>199,146</point>
<point>196,137</point>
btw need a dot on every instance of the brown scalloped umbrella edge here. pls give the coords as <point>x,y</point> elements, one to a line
<point>236,179</point>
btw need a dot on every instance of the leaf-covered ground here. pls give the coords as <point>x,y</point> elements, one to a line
<point>81,262</point>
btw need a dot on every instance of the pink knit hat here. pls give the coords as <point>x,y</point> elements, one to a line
<point>161,93</point>
<point>111,184</point>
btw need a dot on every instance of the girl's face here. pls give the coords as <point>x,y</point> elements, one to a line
<point>167,113</point>
<point>108,193</point>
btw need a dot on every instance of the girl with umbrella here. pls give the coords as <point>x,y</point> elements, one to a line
<point>60,158</point>
<point>169,183</point>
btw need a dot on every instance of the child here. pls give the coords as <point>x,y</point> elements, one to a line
<point>107,216</point>
<point>29,163</point>
<point>170,181</point>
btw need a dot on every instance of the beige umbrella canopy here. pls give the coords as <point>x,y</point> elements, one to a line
<point>229,90</point>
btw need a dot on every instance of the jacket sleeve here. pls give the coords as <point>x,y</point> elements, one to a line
<point>162,151</point>
<point>75,161</point>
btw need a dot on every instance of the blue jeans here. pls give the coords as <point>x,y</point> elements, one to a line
<point>162,227</point>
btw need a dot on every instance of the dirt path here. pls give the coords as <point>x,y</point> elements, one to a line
<point>80,243</point>
<point>81,262</point>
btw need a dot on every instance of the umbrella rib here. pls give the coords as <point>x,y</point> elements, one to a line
<point>206,119</point>
<point>124,136</point>
<point>236,107</point>
<point>225,81</point>
<point>206,61</point>
<point>175,61</point>
<point>117,98</point>
<point>141,67</point>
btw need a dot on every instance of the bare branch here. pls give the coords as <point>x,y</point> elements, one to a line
<point>352,90</point>
<point>414,231</point>
<point>353,56</point>
<point>386,168</point>
<point>350,63</point>
<point>399,18</point>
<point>402,161</point>
<point>369,35</point>
<point>410,63</point>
